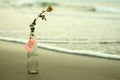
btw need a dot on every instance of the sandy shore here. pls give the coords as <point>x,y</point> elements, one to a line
<point>54,65</point>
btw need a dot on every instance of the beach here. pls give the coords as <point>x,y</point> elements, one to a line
<point>54,65</point>
<point>91,27</point>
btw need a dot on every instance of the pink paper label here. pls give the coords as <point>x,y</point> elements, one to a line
<point>30,45</point>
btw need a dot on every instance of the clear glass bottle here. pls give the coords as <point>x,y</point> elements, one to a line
<point>33,60</point>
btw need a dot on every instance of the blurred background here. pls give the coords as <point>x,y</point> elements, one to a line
<point>74,24</point>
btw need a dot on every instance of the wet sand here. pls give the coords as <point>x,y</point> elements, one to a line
<point>54,65</point>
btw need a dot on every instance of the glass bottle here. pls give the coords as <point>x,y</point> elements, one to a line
<point>33,59</point>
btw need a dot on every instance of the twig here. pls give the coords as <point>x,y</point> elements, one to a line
<point>42,16</point>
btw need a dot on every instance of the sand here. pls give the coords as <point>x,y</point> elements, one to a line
<point>54,65</point>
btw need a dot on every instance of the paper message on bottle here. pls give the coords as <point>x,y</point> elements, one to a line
<point>30,45</point>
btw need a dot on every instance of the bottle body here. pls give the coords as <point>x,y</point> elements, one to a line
<point>33,61</point>
<point>33,58</point>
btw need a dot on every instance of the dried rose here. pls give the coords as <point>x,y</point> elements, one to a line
<point>49,9</point>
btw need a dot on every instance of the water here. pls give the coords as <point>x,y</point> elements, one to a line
<point>77,26</point>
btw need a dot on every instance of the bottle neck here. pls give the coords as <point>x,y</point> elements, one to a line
<point>32,34</point>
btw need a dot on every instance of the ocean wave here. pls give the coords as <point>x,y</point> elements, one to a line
<point>77,41</point>
<point>31,3</point>
<point>28,3</point>
<point>63,50</point>
<point>100,9</point>
<point>106,9</point>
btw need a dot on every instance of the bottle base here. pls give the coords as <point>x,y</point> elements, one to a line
<point>33,72</point>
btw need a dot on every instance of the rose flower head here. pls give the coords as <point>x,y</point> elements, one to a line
<point>49,9</point>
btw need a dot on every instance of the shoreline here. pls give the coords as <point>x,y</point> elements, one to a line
<point>63,50</point>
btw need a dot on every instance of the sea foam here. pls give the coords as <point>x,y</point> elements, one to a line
<point>63,50</point>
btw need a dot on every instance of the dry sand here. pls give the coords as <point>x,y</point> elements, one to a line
<point>55,65</point>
